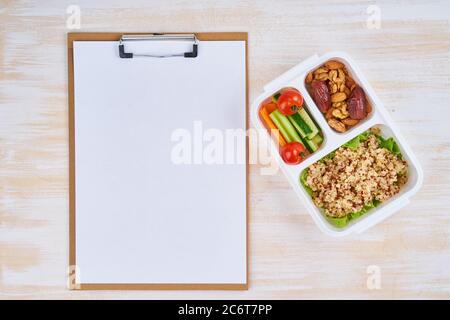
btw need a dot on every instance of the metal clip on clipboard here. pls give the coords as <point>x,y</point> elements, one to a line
<point>160,37</point>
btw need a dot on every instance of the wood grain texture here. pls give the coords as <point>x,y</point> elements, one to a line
<point>406,60</point>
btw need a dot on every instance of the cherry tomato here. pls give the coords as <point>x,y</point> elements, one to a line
<point>290,101</point>
<point>293,152</point>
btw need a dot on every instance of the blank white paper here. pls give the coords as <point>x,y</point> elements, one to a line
<point>139,217</point>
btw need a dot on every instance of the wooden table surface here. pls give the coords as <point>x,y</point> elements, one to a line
<point>406,60</point>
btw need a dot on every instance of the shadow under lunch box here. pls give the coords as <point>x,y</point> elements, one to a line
<point>378,117</point>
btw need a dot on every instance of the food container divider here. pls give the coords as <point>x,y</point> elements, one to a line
<point>295,78</point>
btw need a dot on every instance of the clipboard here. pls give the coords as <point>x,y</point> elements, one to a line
<point>122,40</point>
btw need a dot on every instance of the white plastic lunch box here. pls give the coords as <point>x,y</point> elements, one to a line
<point>295,78</point>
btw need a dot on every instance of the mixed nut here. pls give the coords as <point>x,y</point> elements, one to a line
<point>338,97</point>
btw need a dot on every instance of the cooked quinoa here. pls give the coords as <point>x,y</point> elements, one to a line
<point>353,178</point>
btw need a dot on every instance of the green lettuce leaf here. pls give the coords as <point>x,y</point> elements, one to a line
<point>303,177</point>
<point>342,222</point>
<point>356,141</point>
<point>353,144</point>
<point>367,207</point>
<point>365,135</point>
<point>338,222</point>
<point>390,145</point>
<point>329,156</point>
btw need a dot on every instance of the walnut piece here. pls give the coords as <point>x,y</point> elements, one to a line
<point>337,125</point>
<point>333,64</point>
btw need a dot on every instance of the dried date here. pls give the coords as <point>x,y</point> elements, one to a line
<point>357,104</point>
<point>321,95</point>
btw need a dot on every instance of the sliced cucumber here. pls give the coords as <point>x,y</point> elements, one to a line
<point>312,145</point>
<point>307,119</point>
<point>318,139</point>
<point>293,135</point>
<point>299,124</point>
<point>306,144</point>
<point>285,126</point>
<point>279,125</point>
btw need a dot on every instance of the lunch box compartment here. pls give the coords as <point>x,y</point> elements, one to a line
<point>355,77</point>
<point>399,199</point>
<point>308,110</point>
<point>295,78</point>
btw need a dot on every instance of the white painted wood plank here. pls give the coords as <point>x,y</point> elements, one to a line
<point>407,62</point>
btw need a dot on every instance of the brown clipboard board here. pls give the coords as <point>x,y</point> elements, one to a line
<point>107,36</point>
